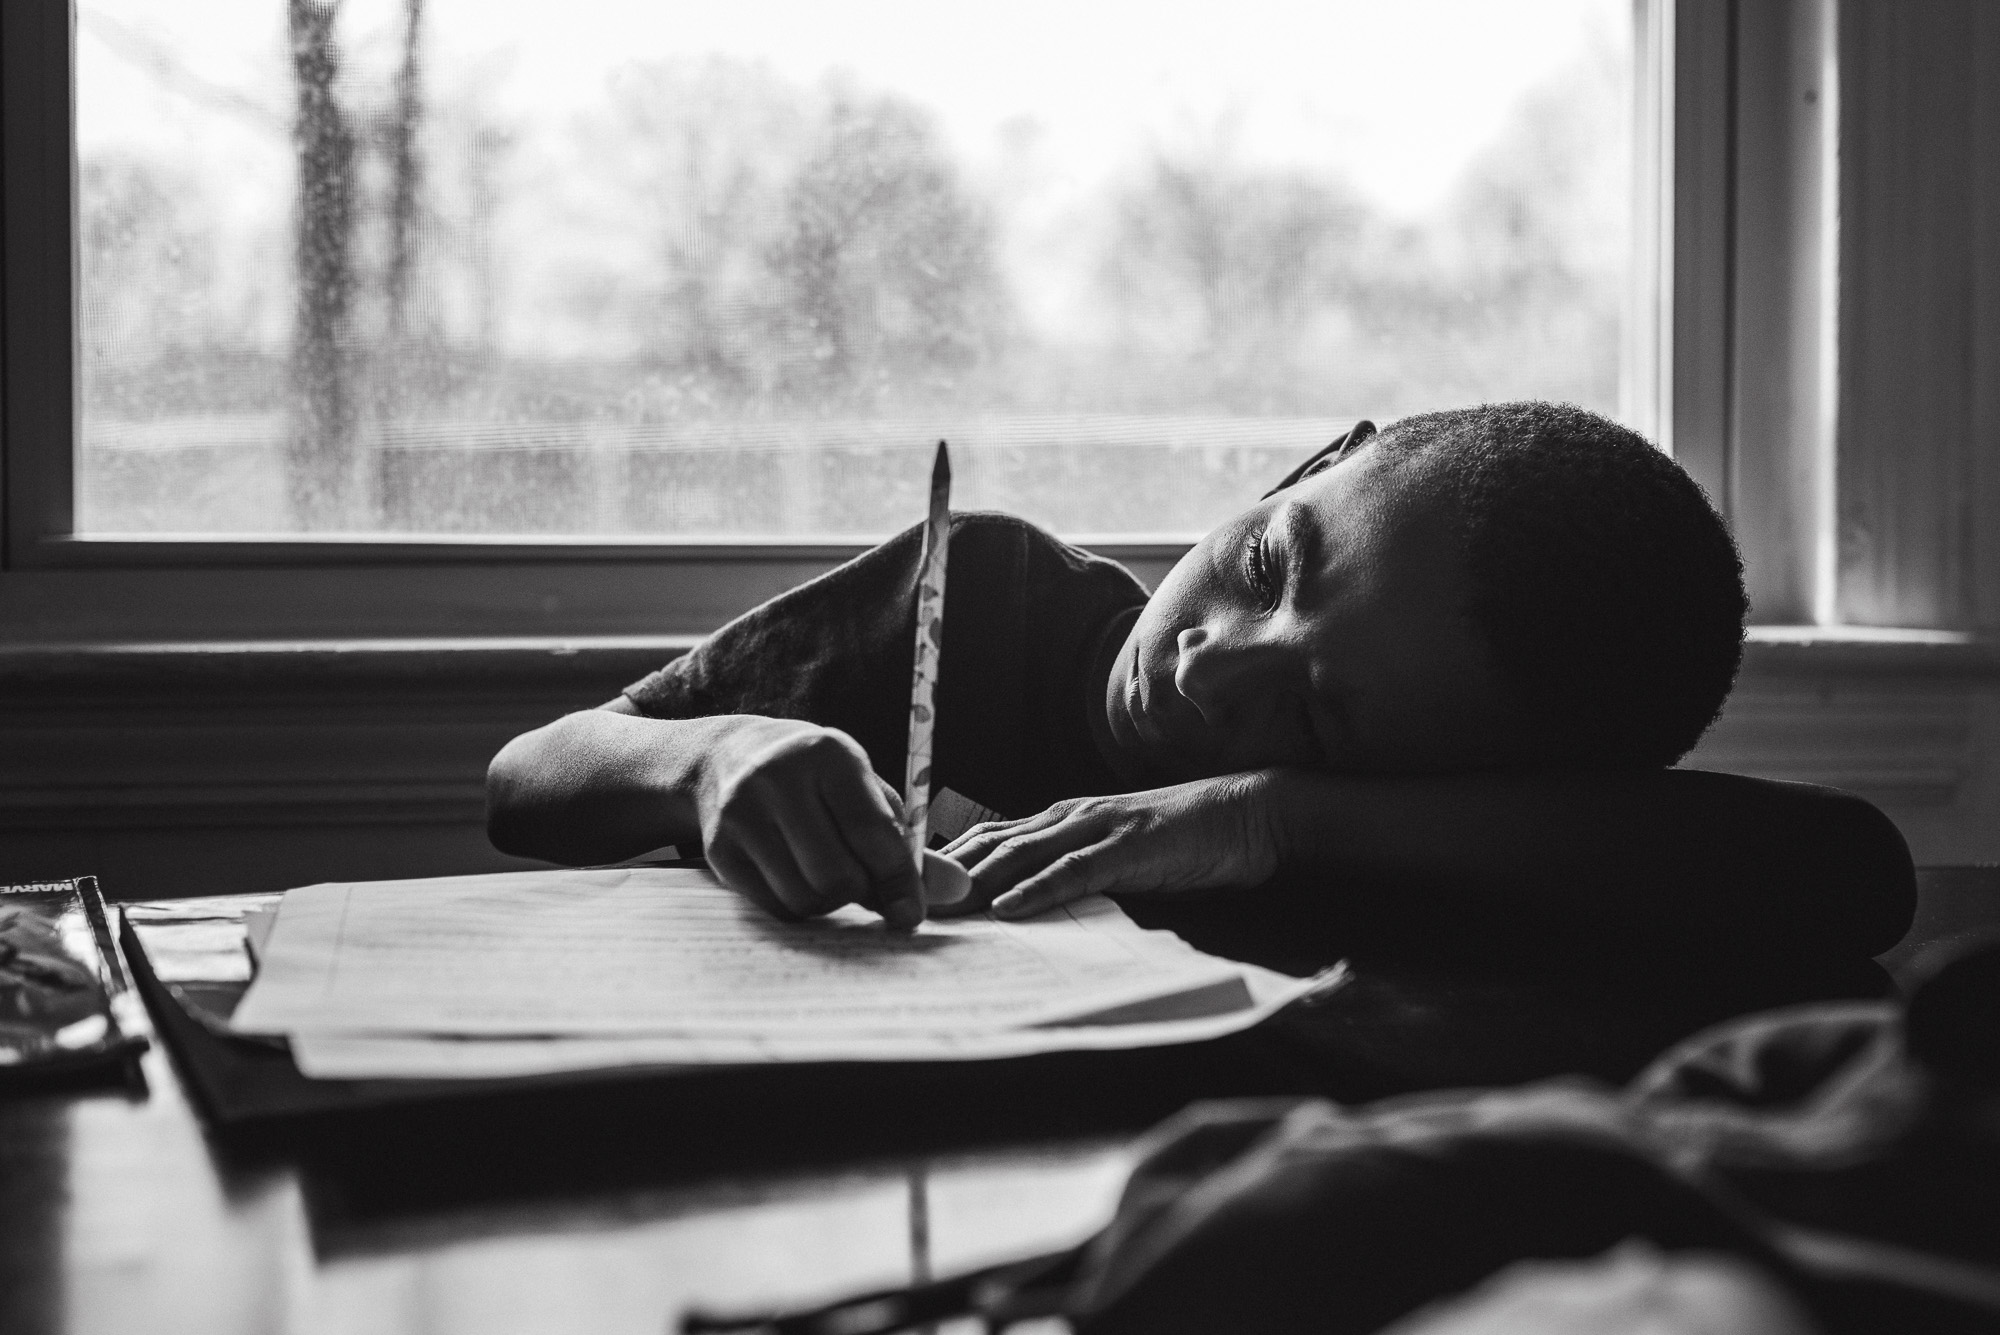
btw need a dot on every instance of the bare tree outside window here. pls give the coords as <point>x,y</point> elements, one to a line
<point>319,443</point>
<point>431,266</point>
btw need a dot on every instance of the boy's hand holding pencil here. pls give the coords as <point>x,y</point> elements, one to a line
<point>793,816</point>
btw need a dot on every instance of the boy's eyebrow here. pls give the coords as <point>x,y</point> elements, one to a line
<point>1301,533</point>
<point>1305,540</point>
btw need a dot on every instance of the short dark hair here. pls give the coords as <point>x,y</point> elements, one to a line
<point>1604,583</point>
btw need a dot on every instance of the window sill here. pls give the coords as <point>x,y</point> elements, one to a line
<point>1868,651</point>
<point>1781,651</point>
<point>275,666</point>
<point>575,595</point>
<point>373,734</point>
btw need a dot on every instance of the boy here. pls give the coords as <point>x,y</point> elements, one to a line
<point>1433,682</point>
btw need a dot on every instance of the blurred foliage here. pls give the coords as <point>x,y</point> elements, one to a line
<point>755,250</point>
<point>885,265</point>
<point>147,265</point>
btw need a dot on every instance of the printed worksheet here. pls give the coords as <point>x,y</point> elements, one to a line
<point>669,952</point>
<point>334,1056</point>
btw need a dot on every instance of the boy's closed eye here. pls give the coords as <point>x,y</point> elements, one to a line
<point>1265,586</point>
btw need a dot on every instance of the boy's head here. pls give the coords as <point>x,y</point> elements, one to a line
<point>1522,584</point>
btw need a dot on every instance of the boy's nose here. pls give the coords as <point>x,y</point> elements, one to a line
<point>1217,671</point>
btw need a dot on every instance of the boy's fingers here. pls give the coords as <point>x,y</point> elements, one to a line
<point>874,839</point>
<point>1021,848</point>
<point>833,875</point>
<point>977,843</point>
<point>739,872</point>
<point>1072,876</point>
<point>849,849</point>
<point>1023,854</point>
<point>771,851</point>
<point>890,797</point>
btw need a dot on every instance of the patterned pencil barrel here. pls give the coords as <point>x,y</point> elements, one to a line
<point>929,648</point>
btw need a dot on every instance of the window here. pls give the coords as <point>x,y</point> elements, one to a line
<point>1815,335</point>
<point>444,268</point>
<point>1751,237</point>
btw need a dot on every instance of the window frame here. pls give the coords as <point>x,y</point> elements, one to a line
<point>1837,340</point>
<point>58,587</point>
<point>1753,349</point>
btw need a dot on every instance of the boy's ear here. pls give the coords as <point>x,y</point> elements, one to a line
<point>1332,454</point>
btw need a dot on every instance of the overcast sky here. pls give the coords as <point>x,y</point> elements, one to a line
<point>1397,95</point>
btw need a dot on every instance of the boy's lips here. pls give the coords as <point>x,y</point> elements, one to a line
<point>1142,722</point>
<point>1152,730</point>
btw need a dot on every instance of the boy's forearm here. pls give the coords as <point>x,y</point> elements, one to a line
<point>597,786</point>
<point>1621,863</point>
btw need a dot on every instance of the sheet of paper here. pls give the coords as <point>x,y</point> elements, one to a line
<point>665,951</point>
<point>377,1056</point>
<point>257,925</point>
<point>198,940</point>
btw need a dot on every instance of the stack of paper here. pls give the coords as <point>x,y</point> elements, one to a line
<point>538,972</point>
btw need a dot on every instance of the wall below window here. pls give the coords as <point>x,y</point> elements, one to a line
<point>1910,721</point>
<point>179,771</point>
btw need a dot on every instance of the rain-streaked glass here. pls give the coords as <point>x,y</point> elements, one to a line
<point>615,267</point>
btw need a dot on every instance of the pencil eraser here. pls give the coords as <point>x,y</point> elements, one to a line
<point>945,882</point>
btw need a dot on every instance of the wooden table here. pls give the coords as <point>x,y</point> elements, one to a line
<point>118,1214</point>
<point>598,1207</point>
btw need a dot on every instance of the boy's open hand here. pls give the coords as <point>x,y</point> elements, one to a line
<point>1212,834</point>
<point>793,817</point>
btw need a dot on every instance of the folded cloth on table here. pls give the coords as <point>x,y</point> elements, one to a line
<point>1771,1143</point>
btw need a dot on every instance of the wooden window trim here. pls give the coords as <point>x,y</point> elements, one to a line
<point>1918,404</point>
<point>1835,359</point>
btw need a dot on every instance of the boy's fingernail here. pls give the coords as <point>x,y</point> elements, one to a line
<point>1010,903</point>
<point>945,882</point>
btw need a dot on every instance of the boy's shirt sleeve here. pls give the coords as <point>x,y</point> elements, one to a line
<point>1021,612</point>
<point>816,653</point>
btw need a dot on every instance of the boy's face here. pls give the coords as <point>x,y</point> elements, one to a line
<point>1322,627</point>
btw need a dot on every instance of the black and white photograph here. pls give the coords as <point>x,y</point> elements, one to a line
<point>1075,667</point>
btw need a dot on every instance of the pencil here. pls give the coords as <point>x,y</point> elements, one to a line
<point>924,668</point>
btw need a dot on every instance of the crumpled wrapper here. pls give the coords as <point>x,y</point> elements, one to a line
<point>65,1001</point>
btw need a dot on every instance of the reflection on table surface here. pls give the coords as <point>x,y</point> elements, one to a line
<point>121,1215</point>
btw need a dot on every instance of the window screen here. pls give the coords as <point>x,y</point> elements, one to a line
<point>614,267</point>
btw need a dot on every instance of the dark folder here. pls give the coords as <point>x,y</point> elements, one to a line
<point>250,1086</point>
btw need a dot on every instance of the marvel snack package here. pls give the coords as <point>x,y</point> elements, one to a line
<point>66,1005</point>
